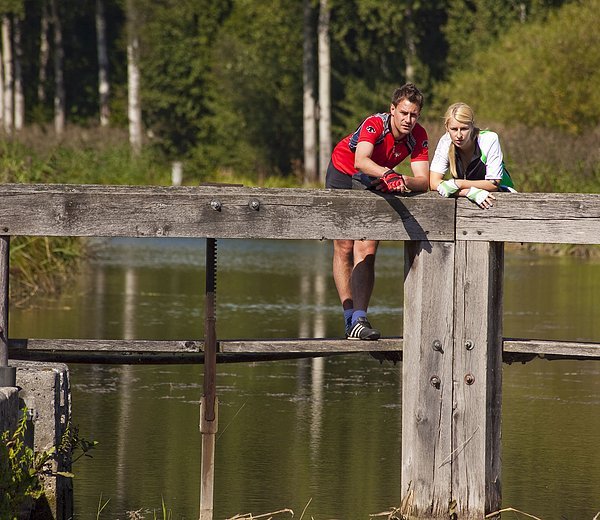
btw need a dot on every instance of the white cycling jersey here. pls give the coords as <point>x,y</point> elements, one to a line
<point>487,162</point>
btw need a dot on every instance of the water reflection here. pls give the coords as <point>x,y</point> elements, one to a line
<point>320,429</point>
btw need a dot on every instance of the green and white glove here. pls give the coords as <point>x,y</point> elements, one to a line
<point>477,195</point>
<point>447,188</point>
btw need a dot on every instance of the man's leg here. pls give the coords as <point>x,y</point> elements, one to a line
<point>363,273</point>
<point>362,283</point>
<point>343,263</point>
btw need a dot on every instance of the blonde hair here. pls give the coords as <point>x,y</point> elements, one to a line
<point>463,113</point>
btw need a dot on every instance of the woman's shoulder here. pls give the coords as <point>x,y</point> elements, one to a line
<point>444,140</point>
<point>487,136</point>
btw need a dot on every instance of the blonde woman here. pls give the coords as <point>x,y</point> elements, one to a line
<point>472,156</point>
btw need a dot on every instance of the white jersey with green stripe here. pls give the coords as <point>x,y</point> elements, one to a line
<point>487,162</point>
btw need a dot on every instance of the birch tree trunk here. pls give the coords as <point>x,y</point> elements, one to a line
<point>44,54</point>
<point>134,110</point>
<point>59,82</point>
<point>19,94</point>
<point>411,48</point>
<point>309,100</point>
<point>324,90</point>
<point>103,84</point>
<point>7,62</point>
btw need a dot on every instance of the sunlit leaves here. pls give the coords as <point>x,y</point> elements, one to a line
<point>539,74</point>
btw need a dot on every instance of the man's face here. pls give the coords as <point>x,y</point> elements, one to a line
<point>404,116</point>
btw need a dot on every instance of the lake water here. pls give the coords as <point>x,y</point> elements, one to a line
<point>324,432</point>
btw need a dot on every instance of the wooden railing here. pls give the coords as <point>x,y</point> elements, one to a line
<point>452,347</point>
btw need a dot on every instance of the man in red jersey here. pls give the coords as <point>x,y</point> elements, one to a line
<point>365,159</point>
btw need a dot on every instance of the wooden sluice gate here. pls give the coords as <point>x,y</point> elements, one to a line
<point>452,349</point>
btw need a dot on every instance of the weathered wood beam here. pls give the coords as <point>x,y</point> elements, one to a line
<point>295,346</point>
<point>559,218</point>
<point>477,376</point>
<point>526,349</point>
<point>222,212</point>
<point>56,349</point>
<point>7,374</point>
<point>427,384</point>
<point>192,351</point>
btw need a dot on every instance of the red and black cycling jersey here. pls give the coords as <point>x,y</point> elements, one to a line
<point>388,152</point>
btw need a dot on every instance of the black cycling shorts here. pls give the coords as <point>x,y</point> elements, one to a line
<point>342,181</point>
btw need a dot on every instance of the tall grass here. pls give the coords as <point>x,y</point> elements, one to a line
<point>81,156</point>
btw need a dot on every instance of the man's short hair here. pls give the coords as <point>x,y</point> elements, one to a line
<point>409,92</point>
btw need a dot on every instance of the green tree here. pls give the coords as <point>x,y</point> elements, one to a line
<point>382,45</point>
<point>550,82</point>
<point>473,24</point>
<point>177,38</point>
<point>254,90</point>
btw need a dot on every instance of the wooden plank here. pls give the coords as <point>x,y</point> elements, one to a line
<point>559,218</point>
<point>475,456</point>
<point>104,345</point>
<point>513,348</point>
<point>273,346</point>
<point>310,346</point>
<point>427,378</point>
<point>183,211</point>
<point>295,346</point>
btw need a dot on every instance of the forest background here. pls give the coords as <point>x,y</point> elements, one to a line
<point>253,91</point>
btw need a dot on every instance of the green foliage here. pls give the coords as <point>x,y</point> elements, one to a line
<point>253,91</point>
<point>372,49</point>
<point>84,156</point>
<point>176,43</point>
<point>222,81</point>
<point>475,24</point>
<point>16,7</point>
<point>41,264</point>
<point>549,82</point>
<point>20,471</point>
<point>360,101</point>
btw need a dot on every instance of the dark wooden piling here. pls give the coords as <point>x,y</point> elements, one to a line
<point>208,404</point>
<point>7,374</point>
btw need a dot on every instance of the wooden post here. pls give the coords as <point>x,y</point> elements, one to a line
<point>207,468</point>
<point>208,404</point>
<point>8,374</point>
<point>427,378</point>
<point>451,388</point>
<point>478,297</point>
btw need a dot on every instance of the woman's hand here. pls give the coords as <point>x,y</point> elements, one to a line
<point>483,198</point>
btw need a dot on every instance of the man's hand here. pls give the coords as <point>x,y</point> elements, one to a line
<point>483,198</point>
<point>447,188</point>
<point>392,181</point>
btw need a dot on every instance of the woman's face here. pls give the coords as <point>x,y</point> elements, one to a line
<point>460,133</point>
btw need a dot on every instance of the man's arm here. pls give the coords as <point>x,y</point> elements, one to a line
<point>363,161</point>
<point>420,179</point>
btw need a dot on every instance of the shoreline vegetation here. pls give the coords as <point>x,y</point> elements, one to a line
<point>93,155</point>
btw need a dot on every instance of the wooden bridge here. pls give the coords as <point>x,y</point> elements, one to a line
<point>452,348</point>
